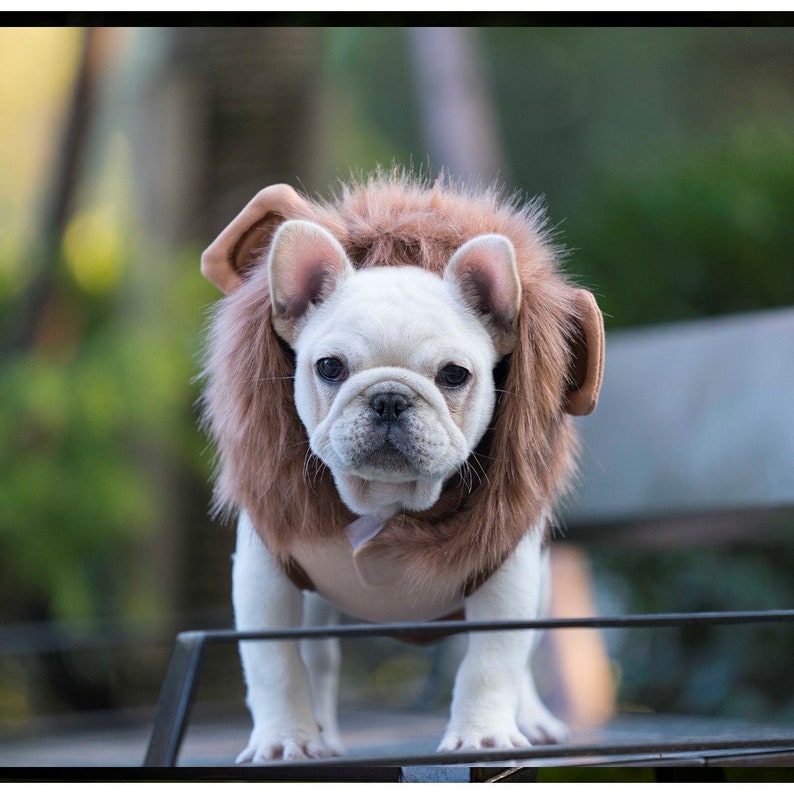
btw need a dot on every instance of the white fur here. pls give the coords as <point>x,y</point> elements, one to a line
<point>277,683</point>
<point>495,703</point>
<point>395,329</point>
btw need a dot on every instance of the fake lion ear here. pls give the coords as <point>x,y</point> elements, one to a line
<point>236,249</point>
<point>484,272</point>
<point>306,264</point>
<point>587,356</point>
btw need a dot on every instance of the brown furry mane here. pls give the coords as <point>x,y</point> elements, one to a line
<point>526,459</point>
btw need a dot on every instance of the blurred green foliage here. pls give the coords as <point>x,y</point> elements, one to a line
<point>84,415</point>
<point>701,231</point>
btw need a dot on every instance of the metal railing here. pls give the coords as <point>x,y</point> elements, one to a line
<point>182,679</point>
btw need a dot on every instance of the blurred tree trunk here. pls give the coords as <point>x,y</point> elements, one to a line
<point>219,114</point>
<point>255,95</point>
<point>458,116</point>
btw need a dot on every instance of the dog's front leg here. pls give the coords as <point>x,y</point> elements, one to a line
<point>493,697</point>
<point>322,658</point>
<point>278,688</point>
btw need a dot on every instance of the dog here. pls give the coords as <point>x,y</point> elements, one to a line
<point>389,383</point>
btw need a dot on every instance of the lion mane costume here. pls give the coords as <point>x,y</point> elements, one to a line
<point>526,459</point>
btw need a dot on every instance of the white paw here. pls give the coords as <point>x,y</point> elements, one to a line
<point>478,738</point>
<point>294,744</point>
<point>333,741</point>
<point>544,728</point>
<point>536,721</point>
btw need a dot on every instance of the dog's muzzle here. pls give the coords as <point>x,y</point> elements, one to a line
<point>390,437</point>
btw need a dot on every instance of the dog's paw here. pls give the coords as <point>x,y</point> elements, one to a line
<point>333,741</point>
<point>479,738</point>
<point>544,728</point>
<point>285,745</point>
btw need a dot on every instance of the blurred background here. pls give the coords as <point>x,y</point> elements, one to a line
<point>666,157</point>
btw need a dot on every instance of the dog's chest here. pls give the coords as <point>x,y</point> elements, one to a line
<point>369,584</point>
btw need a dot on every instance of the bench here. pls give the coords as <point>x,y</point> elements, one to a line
<point>693,442</point>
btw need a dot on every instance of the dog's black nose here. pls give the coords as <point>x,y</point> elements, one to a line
<point>388,406</point>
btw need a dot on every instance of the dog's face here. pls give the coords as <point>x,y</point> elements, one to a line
<point>394,365</point>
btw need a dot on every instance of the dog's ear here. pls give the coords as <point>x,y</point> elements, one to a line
<point>238,247</point>
<point>587,355</point>
<point>306,264</point>
<point>484,273</point>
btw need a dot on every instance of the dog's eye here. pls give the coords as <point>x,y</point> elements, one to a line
<point>452,375</point>
<point>330,369</point>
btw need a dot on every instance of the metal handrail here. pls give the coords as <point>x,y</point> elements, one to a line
<point>180,683</point>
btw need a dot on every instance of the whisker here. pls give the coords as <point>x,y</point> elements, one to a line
<point>475,456</point>
<point>305,470</point>
<point>466,485</point>
<point>513,394</point>
<point>476,470</point>
<point>319,472</point>
<point>465,476</point>
<point>319,469</point>
<point>278,377</point>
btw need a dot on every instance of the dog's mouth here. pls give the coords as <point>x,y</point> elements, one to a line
<point>389,460</point>
<point>390,466</point>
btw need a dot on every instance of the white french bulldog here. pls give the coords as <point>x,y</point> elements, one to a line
<point>394,385</point>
